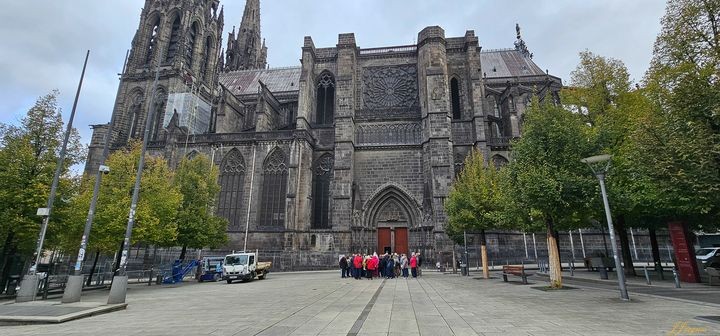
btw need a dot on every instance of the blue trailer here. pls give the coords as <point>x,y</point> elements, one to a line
<point>211,268</point>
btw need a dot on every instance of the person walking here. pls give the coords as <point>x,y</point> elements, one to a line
<point>413,265</point>
<point>404,265</point>
<point>343,266</point>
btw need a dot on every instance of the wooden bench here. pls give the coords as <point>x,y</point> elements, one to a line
<point>517,270</point>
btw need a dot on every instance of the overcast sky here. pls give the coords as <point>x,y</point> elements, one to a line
<point>43,43</point>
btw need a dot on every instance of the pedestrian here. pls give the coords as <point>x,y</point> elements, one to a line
<point>413,265</point>
<point>367,263</point>
<point>404,265</point>
<point>419,263</point>
<point>390,268</point>
<point>351,266</point>
<point>358,264</point>
<point>343,266</point>
<point>396,260</point>
<point>382,265</point>
<point>375,263</point>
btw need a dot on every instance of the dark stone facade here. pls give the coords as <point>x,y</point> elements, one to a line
<point>403,119</point>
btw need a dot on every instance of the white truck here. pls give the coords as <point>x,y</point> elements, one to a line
<point>244,266</point>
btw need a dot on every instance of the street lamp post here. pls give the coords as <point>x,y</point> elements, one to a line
<point>118,289</point>
<point>73,287</point>
<point>28,287</point>
<point>599,165</point>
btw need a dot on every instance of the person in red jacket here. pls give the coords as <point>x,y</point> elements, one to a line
<point>357,262</point>
<point>413,266</point>
<point>376,263</point>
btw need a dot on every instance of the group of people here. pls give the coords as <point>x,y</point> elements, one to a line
<point>388,265</point>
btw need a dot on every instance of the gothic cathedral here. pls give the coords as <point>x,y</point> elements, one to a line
<point>354,149</point>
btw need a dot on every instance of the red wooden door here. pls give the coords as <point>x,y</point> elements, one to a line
<point>401,240</point>
<point>383,240</point>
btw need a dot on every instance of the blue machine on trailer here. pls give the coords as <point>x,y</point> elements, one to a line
<point>211,268</point>
<point>179,272</point>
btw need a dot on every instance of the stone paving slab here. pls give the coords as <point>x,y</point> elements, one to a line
<point>324,304</point>
<point>45,312</point>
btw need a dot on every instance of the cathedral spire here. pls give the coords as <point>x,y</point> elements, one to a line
<point>245,49</point>
<point>520,43</point>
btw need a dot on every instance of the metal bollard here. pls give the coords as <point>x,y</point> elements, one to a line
<point>647,275</point>
<point>677,279</point>
<point>150,278</point>
<point>572,268</point>
<point>603,272</point>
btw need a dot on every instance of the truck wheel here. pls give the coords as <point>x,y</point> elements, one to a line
<point>252,276</point>
<point>229,281</point>
<point>262,276</point>
<point>216,278</point>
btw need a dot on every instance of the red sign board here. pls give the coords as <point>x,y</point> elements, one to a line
<point>684,254</point>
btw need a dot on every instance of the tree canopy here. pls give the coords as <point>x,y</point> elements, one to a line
<point>198,226</point>
<point>28,158</point>
<point>156,215</point>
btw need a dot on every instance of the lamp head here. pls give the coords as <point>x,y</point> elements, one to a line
<point>599,164</point>
<point>596,159</point>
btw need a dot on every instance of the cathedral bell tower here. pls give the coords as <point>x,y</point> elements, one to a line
<point>245,50</point>
<point>183,39</point>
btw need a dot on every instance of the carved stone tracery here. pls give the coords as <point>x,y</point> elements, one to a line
<point>390,87</point>
<point>275,163</point>
<point>324,165</point>
<point>233,163</point>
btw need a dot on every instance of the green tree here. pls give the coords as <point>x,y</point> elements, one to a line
<point>600,93</point>
<point>477,202</point>
<point>28,158</point>
<point>198,226</point>
<point>156,215</point>
<point>547,176</point>
<point>675,148</point>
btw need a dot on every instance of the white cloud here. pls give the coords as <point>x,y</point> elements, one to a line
<point>44,42</point>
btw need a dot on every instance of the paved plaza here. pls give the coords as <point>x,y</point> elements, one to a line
<point>321,303</point>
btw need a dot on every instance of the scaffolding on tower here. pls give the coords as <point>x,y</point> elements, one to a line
<point>193,112</point>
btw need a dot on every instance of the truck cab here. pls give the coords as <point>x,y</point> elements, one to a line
<point>243,266</point>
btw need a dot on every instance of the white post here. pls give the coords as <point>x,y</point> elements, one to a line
<point>632,235</point>
<point>527,256</point>
<point>582,243</point>
<point>616,256</point>
<point>572,246</point>
<point>252,178</point>
<point>535,247</point>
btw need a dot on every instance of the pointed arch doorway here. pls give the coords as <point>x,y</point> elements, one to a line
<point>392,214</point>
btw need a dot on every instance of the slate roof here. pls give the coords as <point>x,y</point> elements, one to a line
<point>508,63</point>
<point>245,82</point>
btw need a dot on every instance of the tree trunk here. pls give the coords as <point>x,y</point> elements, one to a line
<point>118,258</point>
<point>92,269</point>
<point>556,234</point>
<point>182,253</point>
<point>602,229</point>
<point>624,245</point>
<point>7,251</point>
<point>483,252</point>
<point>655,252</point>
<point>553,255</point>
